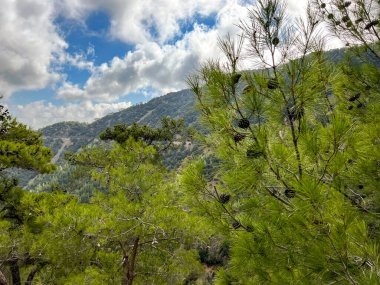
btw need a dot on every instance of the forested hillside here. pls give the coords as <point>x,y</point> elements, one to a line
<point>176,105</point>
<point>282,188</point>
<point>72,136</point>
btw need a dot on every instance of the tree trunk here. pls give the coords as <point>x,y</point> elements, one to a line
<point>3,280</point>
<point>129,265</point>
<point>15,270</point>
<point>33,273</point>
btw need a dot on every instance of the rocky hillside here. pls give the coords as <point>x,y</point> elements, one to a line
<point>73,135</point>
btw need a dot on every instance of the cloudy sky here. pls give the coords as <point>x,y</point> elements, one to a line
<point>64,60</point>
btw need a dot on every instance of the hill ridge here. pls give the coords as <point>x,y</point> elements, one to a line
<point>174,104</point>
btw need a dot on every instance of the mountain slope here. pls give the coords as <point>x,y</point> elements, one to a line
<point>73,135</point>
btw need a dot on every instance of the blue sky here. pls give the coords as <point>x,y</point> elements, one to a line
<point>64,60</point>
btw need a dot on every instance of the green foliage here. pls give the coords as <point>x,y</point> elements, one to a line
<point>297,165</point>
<point>68,178</point>
<point>284,191</point>
<point>21,147</point>
<point>141,215</point>
<point>175,105</point>
<point>169,131</point>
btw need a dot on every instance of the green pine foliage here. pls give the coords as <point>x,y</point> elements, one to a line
<point>284,188</point>
<point>21,147</point>
<point>295,157</point>
<point>145,229</point>
<point>171,130</point>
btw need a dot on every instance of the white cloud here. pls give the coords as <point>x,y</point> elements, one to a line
<point>39,114</point>
<point>70,91</point>
<point>137,21</point>
<point>296,8</point>
<point>79,60</point>
<point>163,67</point>
<point>29,45</point>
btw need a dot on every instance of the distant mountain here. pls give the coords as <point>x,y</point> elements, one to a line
<point>72,136</point>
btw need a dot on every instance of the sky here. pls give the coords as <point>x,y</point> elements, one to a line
<point>78,60</point>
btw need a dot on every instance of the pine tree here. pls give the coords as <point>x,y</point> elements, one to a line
<point>161,138</point>
<point>287,144</point>
<point>19,147</point>
<point>143,224</point>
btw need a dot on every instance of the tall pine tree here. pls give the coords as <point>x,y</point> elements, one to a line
<point>22,148</point>
<point>294,159</point>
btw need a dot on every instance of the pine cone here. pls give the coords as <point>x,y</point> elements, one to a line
<point>290,193</point>
<point>272,83</point>
<point>354,98</point>
<point>238,137</point>
<point>249,229</point>
<point>236,225</point>
<point>224,198</point>
<point>243,123</point>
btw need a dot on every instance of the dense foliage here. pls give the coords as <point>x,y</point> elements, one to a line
<point>284,191</point>
<point>296,192</point>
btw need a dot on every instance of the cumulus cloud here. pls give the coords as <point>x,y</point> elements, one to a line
<point>39,113</point>
<point>136,21</point>
<point>29,45</point>
<point>163,67</point>
<point>79,60</point>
